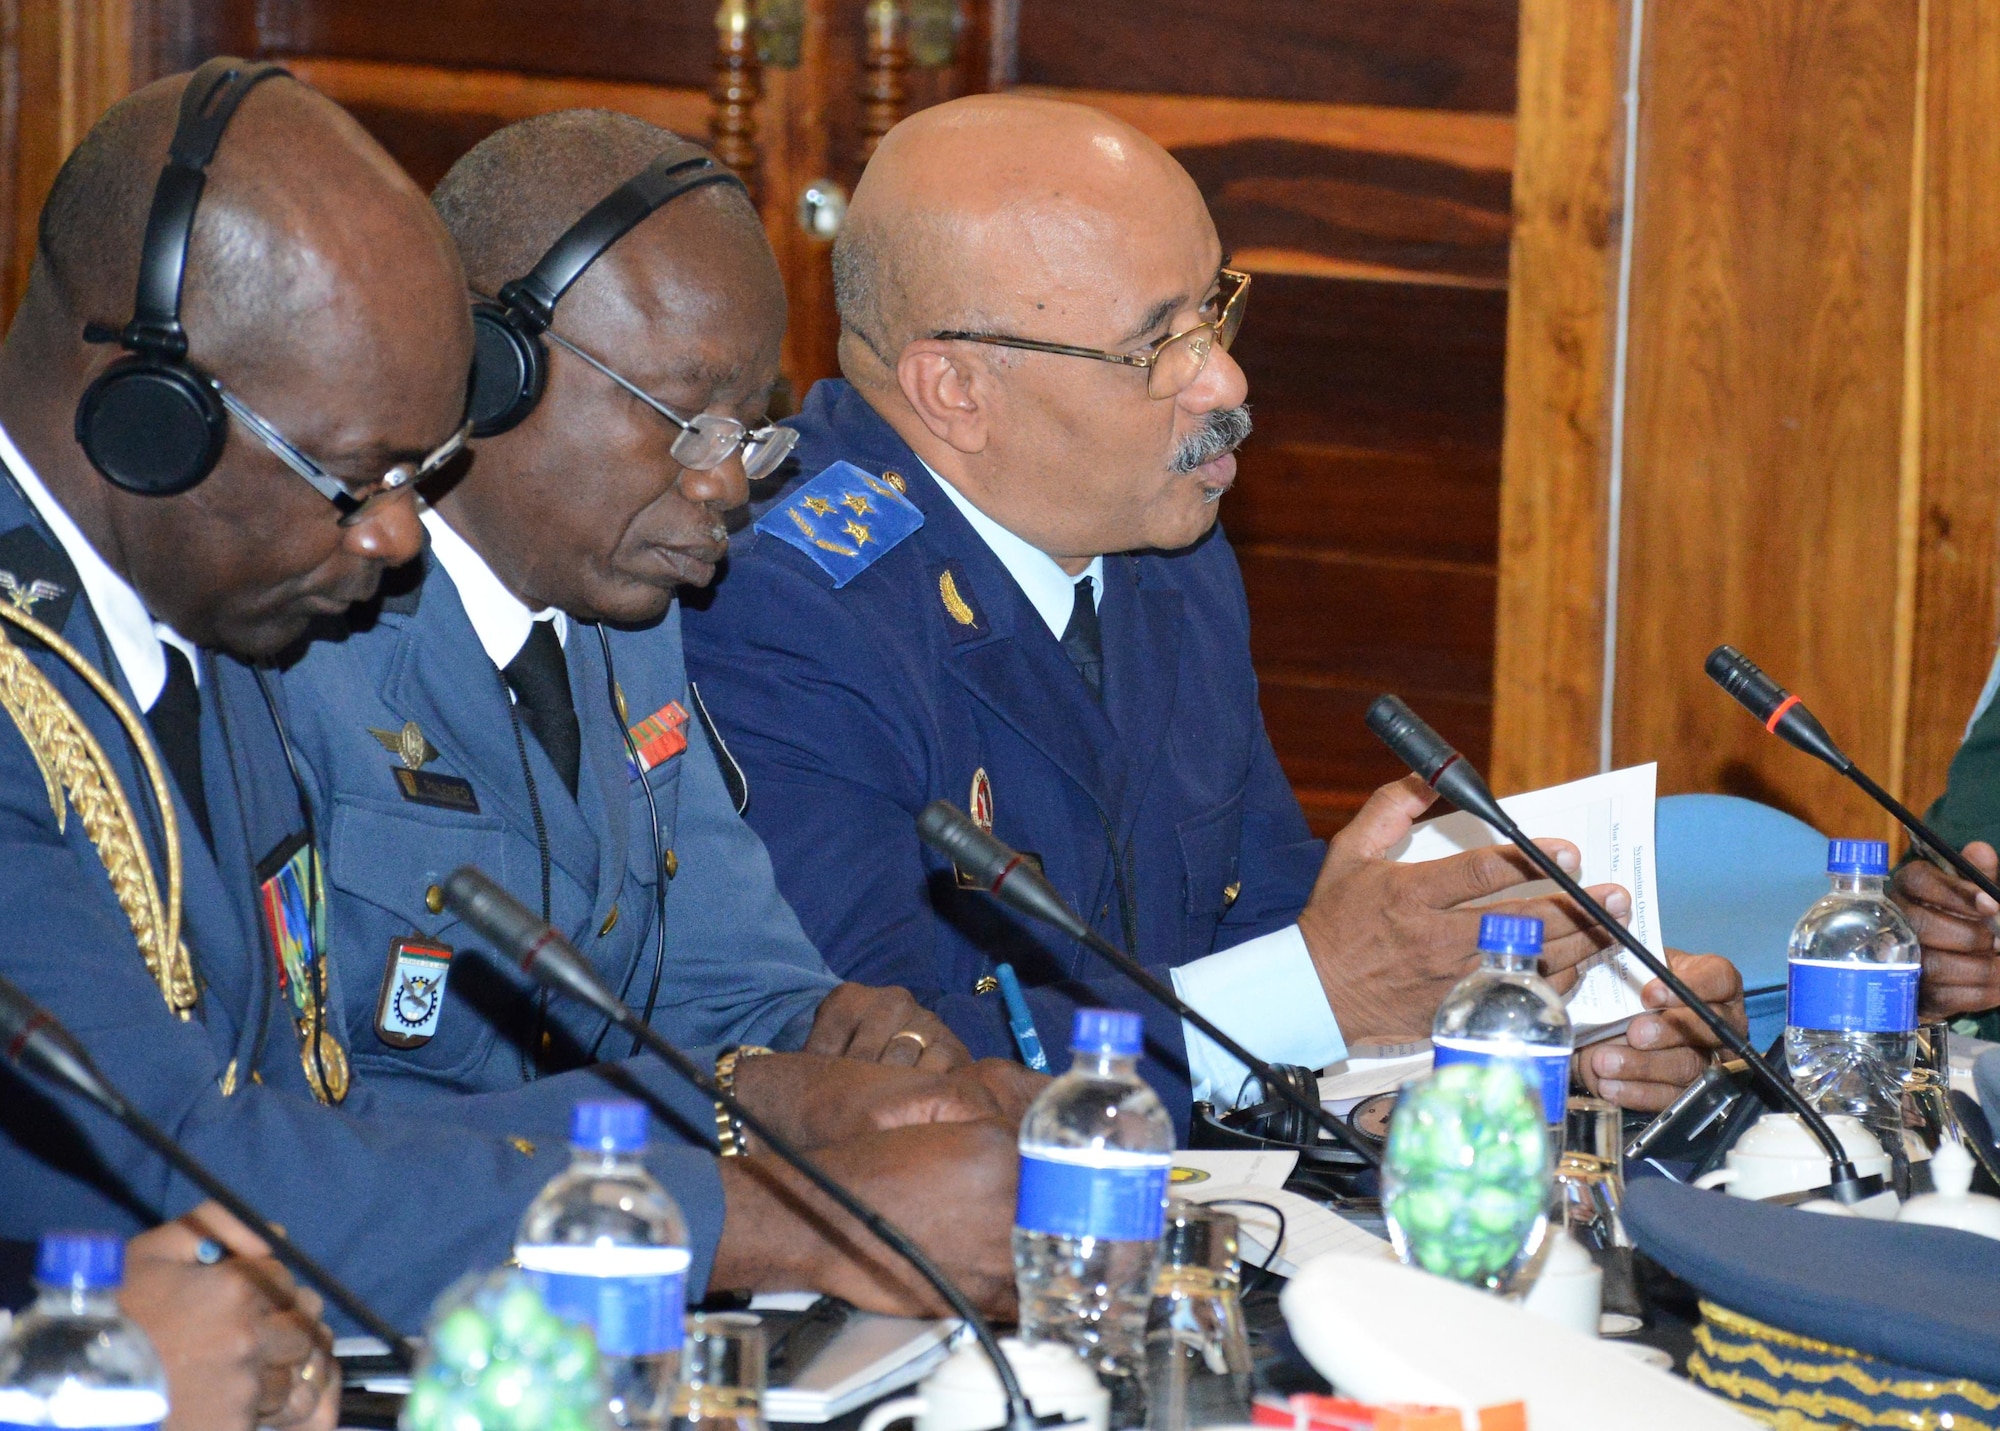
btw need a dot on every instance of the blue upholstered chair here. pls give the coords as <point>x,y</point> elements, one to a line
<point>1734,878</point>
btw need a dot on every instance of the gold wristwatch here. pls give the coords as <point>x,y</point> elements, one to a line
<point>730,1136</point>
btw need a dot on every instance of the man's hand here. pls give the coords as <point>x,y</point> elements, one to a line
<point>949,1186</point>
<point>1954,922</point>
<point>243,1345</point>
<point>862,1021</point>
<point>1658,1055</point>
<point>1390,940</point>
<point>816,1101</point>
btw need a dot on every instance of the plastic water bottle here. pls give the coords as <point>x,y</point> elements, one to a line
<point>1504,1011</point>
<point>606,1246</point>
<point>73,1359</point>
<point>1096,1148</point>
<point>1851,997</point>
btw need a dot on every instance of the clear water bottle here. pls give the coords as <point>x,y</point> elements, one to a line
<point>606,1246</point>
<point>1851,997</point>
<point>73,1359</point>
<point>1096,1148</point>
<point>1504,1011</point>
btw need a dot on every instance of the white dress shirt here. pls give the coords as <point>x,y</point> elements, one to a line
<point>500,619</point>
<point>134,636</point>
<point>1263,992</point>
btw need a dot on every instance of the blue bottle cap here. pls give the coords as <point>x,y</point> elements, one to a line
<point>1106,1031</point>
<point>611,1125</point>
<point>1510,934</point>
<point>1857,857</point>
<point>81,1261</point>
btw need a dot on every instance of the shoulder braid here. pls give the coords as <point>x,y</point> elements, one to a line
<point>73,764</point>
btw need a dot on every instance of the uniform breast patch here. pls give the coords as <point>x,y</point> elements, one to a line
<point>845,519</point>
<point>659,737</point>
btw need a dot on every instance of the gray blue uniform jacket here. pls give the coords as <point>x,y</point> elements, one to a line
<point>857,688</point>
<point>736,969</point>
<point>398,1201</point>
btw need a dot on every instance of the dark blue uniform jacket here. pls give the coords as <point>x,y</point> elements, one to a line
<point>397,1201</point>
<point>1161,814</point>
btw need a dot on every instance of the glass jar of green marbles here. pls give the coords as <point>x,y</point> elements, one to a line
<point>1466,1177</point>
<point>497,1359</point>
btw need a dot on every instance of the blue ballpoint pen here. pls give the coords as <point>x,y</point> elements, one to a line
<point>1020,1020</point>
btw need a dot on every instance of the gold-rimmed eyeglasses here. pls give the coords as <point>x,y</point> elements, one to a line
<point>1174,362</point>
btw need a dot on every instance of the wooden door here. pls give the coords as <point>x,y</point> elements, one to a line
<point>1356,155</point>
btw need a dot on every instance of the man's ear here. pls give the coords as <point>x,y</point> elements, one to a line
<point>950,395</point>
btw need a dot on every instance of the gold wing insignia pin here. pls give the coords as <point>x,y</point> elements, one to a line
<point>407,744</point>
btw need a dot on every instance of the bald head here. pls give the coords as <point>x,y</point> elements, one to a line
<point>515,192</point>
<point>320,289</point>
<point>972,215</point>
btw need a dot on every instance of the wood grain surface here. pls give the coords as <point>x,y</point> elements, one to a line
<point>1762,468</point>
<point>1417,54</point>
<point>1556,459</point>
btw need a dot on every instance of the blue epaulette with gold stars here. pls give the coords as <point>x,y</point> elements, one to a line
<point>844,519</point>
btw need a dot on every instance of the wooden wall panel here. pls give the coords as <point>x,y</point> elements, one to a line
<point>1955,606</point>
<point>664,42</point>
<point>1414,54</point>
<point>1769,303</point>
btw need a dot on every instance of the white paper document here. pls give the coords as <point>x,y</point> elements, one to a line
<point>1609,818</point>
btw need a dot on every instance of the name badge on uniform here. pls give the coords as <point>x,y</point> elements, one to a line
<point>406,1015</point>
<point>443,792</point>
<point>658,738</point>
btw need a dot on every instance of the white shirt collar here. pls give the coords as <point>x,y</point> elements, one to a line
<point>1049,589</point>
<point>133,634</point>
<point>499,618</point>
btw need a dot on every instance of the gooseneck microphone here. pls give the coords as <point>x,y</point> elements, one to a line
<point>1453,777</point>
<point>1785,716</point>
<point>553,962</point>
<point>1008,876</point>
<point>31,1039</point>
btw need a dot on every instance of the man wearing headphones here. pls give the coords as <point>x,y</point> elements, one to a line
<point>527,671</point>
<point>227,466</point>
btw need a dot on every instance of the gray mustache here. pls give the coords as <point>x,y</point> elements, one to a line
<point>1220,432</point>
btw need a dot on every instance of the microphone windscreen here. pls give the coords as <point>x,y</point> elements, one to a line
<point>1404,732</point>
<point>1745,682</point>
<point>959,838</point>
<point>513,928</point>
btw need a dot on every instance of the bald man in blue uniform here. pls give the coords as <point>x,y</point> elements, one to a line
<point>996,579</point>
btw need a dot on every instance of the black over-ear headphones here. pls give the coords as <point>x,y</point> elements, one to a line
<point>153,422</point>
<point>510,362</point>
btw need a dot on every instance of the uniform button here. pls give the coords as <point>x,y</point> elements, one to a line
<point>610,922</point>
<point>987,984</point>
<point>671,862</point>
<point>1230,891</point>
<point>434,900</point>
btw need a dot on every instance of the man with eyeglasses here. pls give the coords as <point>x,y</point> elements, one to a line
<point>527,672</point>
<point>1040,623</point>
<point>157,881</point>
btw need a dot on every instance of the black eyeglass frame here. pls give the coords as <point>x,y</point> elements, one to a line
<point>764,448</point>
<point>352,508</point>
<point>1223,328</point>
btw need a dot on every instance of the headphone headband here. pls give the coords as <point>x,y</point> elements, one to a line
<point>208,104</point>
<point>532,299</point>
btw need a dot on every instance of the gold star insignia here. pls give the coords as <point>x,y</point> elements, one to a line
<point>819,506</point>
<point>860,533</point>
<point>857,502</point>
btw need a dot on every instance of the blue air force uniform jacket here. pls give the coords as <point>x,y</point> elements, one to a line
<point>736,969</point>
<point>1161,814</point>
<point>397,1201</point>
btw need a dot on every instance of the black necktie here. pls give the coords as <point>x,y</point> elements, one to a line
<point>539,678</point>
<point>175,719</point>
<point>1083,639</point>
